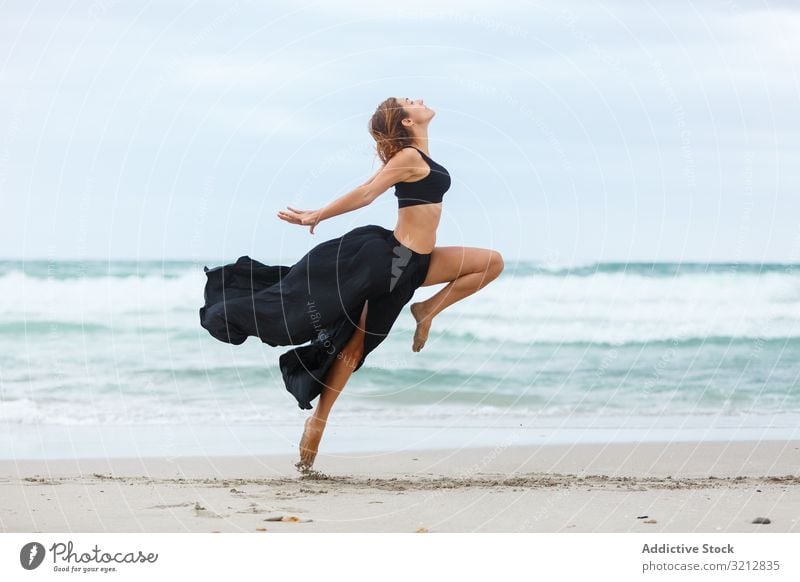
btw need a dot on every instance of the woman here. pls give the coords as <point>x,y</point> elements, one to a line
<point>346,293</point>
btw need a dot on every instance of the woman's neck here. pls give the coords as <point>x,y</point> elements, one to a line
<point>421,143</point>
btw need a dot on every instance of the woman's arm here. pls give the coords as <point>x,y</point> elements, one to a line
<point>395,170</point>
<point>353,200</point>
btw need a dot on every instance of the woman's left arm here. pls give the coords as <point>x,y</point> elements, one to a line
<point>356,198</point>
<point>395,170</point>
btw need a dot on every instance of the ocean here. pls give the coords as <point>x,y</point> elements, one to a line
<point>105,358</point>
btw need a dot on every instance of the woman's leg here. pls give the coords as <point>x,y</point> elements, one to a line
<point>465,269</point>
<point>337,376</point>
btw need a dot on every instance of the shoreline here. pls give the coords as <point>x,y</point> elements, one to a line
<point>50,441</point>
<point>612,487</point>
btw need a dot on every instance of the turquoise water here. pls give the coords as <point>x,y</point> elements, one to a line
<point>119,343</point>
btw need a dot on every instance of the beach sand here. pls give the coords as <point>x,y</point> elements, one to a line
<point>620,487</point>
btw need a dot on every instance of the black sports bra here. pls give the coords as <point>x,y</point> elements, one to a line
<point>429,190</point>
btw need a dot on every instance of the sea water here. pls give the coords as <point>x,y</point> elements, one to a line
<point>108,358</point>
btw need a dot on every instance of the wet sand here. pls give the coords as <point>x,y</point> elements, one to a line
<point>620,487</point>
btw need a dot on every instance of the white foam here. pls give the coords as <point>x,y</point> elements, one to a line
<point>604,307</point>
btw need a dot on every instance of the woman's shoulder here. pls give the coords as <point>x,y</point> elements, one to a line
<point>404,156</point>
<point>412,149</point>
<point>408,151</point>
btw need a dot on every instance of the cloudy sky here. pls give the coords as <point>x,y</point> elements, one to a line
<point>587,131</point>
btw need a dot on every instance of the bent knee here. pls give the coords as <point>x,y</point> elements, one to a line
<point>496,264</point>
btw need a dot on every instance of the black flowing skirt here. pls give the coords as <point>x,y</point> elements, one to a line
<point>319,300</point>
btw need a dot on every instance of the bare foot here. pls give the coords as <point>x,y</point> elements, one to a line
<point>423,326</point>
<point>309,442</point>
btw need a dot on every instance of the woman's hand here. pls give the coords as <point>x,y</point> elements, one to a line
<point>302,217</point>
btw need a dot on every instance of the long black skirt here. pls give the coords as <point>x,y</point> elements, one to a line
<point>319,300</point>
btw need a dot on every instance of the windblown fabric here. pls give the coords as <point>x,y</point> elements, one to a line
<point>319,300</point>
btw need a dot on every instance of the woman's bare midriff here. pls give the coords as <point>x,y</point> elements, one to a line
<point>416,226</point>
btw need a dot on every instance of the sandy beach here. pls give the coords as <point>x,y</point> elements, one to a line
<point>620,487</point>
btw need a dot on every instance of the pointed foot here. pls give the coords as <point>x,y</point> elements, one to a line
<point>423,326</point>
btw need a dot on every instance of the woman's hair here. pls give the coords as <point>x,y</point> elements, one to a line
<point>389,133</point>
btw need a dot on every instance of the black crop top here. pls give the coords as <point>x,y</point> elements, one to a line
<point>429,190</point>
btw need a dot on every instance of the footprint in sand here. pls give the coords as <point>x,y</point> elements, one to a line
<point>253,508</point>
<point>200,511</point>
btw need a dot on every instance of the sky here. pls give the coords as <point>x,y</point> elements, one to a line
<point>573,132</point>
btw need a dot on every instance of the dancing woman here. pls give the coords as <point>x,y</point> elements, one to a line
<point>345,294</point>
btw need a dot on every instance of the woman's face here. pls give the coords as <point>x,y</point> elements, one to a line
<point>416,109</point>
